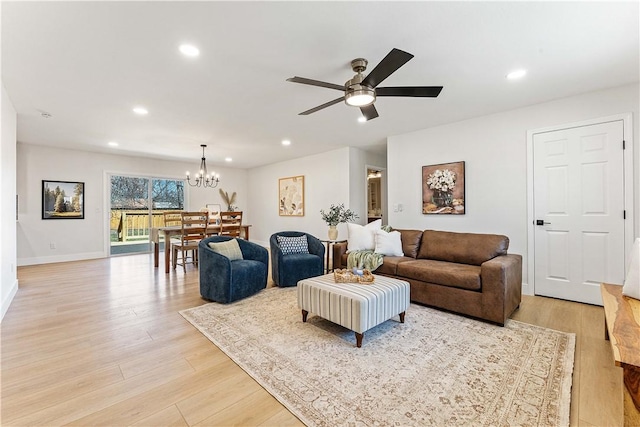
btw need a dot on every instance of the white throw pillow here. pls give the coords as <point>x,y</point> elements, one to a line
<point>361,237</point>
<point>389,244</point>
<point>632,282</point>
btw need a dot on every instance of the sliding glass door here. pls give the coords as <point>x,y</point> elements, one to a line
<point>137,205</point>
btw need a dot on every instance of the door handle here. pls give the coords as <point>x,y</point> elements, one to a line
<point>541,222</point>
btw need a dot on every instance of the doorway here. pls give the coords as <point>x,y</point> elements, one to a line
<point>137,205</point>
<point>578,210</point>
<point>375,194</point>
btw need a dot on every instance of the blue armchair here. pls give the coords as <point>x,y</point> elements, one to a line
<point>223,280</point>
<point>288,269</point>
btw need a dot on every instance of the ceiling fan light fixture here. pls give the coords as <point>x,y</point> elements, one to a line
<point>358,95</point>
<point>359,98</point>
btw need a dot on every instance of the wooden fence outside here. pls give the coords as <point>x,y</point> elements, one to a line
<point>133,225</point>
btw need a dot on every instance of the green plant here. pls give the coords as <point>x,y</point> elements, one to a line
<point>338,214</point>
<point>229,200</point>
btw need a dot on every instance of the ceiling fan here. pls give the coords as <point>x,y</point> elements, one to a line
<point>362,91</point>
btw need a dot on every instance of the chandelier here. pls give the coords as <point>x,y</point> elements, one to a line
<point>203,179</point>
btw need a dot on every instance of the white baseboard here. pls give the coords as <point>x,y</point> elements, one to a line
<point>7,301</point>
<point>60,258</point>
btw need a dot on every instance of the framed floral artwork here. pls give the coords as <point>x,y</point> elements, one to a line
<point>62,200</point>
<point>443,189</point>
<point>291,196</point>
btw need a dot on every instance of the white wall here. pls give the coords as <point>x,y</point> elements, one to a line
<point>88,238</point>
<point>494,148</point>
<point>327,181</point>
<point>8,252</point>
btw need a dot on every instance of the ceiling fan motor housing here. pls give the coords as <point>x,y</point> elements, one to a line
<point>357,94</point>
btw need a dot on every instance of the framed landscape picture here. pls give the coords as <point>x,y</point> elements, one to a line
<point>291,196</point>
<point>62,200</point>
<point>443,189</point>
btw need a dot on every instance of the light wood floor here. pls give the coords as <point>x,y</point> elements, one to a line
<point>101,342</point>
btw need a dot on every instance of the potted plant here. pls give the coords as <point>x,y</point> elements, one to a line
<point>336,215</point>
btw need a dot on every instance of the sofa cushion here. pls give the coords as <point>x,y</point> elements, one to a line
<point>463,276</point>
<point>465,248</point>
<point>410,242</point>
<point>390,265</point>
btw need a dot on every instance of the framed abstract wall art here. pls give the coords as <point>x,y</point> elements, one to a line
<point>443,189</point>
<point>62,200</point>
<point>291,196</point>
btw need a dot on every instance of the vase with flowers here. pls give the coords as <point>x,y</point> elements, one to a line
<point>442,182</point>
<point>337,214</point>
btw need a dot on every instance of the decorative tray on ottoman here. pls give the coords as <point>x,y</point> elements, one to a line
<point>347,276</point>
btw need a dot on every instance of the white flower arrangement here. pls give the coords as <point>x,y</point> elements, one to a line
<point>442,180</point>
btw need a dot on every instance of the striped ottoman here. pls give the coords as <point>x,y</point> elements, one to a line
<point>355,306</point>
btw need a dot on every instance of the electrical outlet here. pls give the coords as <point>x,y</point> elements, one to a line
<point>52,245</point>
<point>400,207</point>
<point>395,208</point>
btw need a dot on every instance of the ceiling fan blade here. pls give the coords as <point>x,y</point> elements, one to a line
<point>320,107</point>
<point>369,112</point>
<point>311,82</point>
<point>419,91</point>
<point>389,64</point>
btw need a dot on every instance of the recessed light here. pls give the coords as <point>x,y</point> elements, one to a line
<point>189,50</point>
<point>362,119</point>
<point>286,142</point>
<point>112,144</point>
<point>228,159</point>
<point>517,74</point>
<point>140,111</point>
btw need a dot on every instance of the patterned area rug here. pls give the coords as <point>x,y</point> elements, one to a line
<point>435,369</point>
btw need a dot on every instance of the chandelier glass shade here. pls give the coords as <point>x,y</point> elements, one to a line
<point>203,178</point>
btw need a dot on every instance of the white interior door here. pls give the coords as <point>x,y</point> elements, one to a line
<point>579,207</point>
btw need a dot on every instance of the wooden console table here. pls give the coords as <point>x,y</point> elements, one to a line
<point>622,328</point>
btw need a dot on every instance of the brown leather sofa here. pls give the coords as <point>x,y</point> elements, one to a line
<point>466,273</point>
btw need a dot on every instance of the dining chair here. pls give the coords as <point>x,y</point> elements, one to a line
<point>214,213</point>
<point>193,229</point>
<point>171,218</point>
<point>230,223</point>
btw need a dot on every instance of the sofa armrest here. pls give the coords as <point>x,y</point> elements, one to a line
<point>501,286</point>
<point>339,249</point>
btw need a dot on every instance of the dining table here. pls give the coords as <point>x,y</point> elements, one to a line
<point>176,230</point>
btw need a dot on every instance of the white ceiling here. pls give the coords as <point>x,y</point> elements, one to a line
<point>89,63</point>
